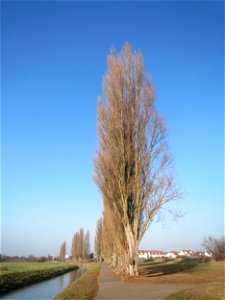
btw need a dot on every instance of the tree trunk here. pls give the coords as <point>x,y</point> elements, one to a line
<point>132,258</point>
<point>136,265</point>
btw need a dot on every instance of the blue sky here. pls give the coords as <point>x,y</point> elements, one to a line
<point>53,60</point>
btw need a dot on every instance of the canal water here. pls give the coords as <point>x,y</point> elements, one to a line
<point>45,290</point>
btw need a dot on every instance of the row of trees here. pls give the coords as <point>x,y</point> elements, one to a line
<point>29,258</point>
<point>133,167</point>
<point>80,249</point>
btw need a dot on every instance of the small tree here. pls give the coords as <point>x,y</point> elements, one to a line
<point>62,252</point>
<point>215,246</point>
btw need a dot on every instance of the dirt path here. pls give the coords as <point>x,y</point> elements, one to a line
<point>110,287</point>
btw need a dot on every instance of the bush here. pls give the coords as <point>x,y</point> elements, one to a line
<point>215,246</point>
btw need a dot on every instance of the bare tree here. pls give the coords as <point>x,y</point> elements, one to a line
<point>133,168</point>
<point>77,246</point>
<point>81,244</point>
<point>86,245</point>
<point>215,246</point>
<point>113,237</point>
<point>62,252</point>
<point>74,248</point>
<point>98,240</point>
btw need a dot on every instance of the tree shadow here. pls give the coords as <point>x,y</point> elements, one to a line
<point>171,267</point>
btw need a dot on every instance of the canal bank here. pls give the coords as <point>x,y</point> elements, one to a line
<point>13,281</point>
<point>84,287</point>
<point>44,290</point>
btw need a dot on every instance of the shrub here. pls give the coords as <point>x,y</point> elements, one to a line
<point>215,246</point>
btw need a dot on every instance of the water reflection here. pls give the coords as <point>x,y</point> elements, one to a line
<point>61,280</point>
<point>45,290</point>
<point>75,275</point>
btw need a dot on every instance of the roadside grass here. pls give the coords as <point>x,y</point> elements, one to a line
<point>207,277</point>
<point>18,267</point>
<point>85,287</point>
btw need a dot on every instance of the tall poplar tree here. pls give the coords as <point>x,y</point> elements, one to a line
<point>98,240</point>
<point>86,245</point>
<point>62,252</point>
<point>133,167</point>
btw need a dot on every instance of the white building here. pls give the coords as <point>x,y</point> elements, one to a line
<point>151,254</point>
<point>171,255</point>
<point>154,254</point>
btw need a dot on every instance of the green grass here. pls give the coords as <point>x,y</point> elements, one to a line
<point>17,267</point>
<point>84,288</point>
<point>207,278</point>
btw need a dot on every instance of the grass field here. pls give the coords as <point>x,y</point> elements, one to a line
<point>20,274</point>
<point>9,267</point>
<point>208,277</point>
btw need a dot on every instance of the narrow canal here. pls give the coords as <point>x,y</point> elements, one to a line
<point>45,290</point>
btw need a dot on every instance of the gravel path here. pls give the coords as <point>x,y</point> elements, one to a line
<point>110,287</point>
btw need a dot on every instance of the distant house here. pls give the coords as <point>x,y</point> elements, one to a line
<point>143,254</point>
<point>150,254</point>
<point>171,254</point>
<point>155,254</point>
<point>202,254</point>
<point>188,253</point>
<point>207,254</point>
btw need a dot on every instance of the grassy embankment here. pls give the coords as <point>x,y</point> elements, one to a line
<point>85,287</point>
<point>207,277</point>
<point>20,274</point>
